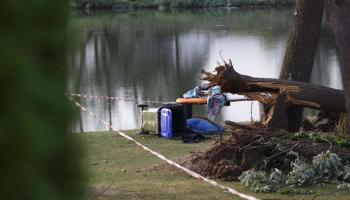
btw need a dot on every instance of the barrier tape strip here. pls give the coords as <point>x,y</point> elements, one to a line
<point>189,172</point>
<point>137,101</point>
<point>112,98</point>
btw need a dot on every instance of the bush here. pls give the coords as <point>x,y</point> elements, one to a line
<point>326,166</point>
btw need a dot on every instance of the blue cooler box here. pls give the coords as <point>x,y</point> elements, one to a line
<point>166,121</point>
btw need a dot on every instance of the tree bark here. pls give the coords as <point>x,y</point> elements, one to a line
<point>266,90</point>
<point>299,57</point>
<point>339,16</point>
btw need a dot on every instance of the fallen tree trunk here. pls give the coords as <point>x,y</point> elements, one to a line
<point>265,90</point>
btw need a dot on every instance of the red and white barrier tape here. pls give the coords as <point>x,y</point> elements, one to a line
<point>111,98</point>
<point>189,172</point>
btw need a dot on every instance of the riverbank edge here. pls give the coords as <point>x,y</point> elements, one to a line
<point>185,4</point>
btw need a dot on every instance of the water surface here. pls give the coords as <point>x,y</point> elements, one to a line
<point>153,55</point>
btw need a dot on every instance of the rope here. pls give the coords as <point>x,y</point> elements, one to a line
<point>137,101</point>
<point>189,172</point>
<point>112,98</point>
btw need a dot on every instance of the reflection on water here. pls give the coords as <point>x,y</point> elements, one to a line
<point>150,55</point>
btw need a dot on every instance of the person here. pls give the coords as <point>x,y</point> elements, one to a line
<point>215,102</point>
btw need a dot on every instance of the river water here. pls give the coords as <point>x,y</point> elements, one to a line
<point>158,55</point>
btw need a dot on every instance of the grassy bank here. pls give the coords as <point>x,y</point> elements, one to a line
<point>118,169</point>
<point>156,4</point>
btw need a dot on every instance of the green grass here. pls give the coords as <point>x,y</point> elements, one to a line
<point>118,169</point>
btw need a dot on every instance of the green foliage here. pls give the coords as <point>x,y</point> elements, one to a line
<point>345,174</point>
<point>344,186</point>
<point>38,158</point>
<point>276,177</point>
<point>255,180</point>
<point>325,167</point>
<point>301,174</point>
<point>259,181</point>
<point>339,141</point>
<point>315,137</point>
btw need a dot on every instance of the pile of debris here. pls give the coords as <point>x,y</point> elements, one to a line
<point>266,159</point>
<point>264,150</point>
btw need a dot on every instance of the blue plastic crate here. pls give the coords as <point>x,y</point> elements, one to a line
<point>166,119</point>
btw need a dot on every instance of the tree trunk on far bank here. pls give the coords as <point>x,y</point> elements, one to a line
<point>339,16</point>
<point>299,57</point>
